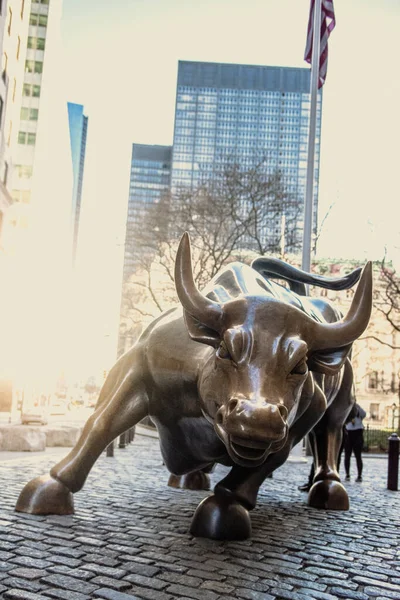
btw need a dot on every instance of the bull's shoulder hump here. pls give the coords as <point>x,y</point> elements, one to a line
<point>235,280</point>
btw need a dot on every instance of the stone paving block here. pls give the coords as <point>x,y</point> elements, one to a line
<point>27,573</point>
<point>217,587</point>
<point>108,571</point>
<point>373,592</point>
<point>23,584</point>
<point>109,594</point>
<point>149,594</point>
<point>252,595</point>
<point>115,584</point>
<point>69,583</point>
<point>59,594</point>
<point>16,594</point>
<point>350,594</point>
<point>151,582</point>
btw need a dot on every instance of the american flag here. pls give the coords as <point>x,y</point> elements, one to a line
<point>327,25</point>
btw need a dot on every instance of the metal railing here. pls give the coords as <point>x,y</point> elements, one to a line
<point>376,439</point>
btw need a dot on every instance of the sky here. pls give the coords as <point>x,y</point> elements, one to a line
<point>121,61</point>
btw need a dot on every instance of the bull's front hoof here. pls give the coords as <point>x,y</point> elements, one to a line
<point>328,494</point>
<point>220,518</point>
<point>45,496</point>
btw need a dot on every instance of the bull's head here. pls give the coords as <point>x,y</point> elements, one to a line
<point>251,384</point>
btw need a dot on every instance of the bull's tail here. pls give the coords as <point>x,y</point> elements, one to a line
<point>297,279</point>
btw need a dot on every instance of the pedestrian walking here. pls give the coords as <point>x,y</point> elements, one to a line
<point>355,442</point>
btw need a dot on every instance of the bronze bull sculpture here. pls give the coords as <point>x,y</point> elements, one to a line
<point>238,377</point>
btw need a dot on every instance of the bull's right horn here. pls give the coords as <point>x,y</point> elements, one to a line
<point>193,301</point>
<point>347,330</point>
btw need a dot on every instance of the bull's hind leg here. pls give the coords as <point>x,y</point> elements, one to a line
<point>122,404</point>
<point>327,491</point>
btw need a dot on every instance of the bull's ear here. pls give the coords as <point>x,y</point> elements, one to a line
<point>200,332</point>
<point>329,362</point>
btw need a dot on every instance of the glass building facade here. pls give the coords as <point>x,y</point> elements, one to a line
<point>149,180</point>
<point>78,124</point>
<point>243,113</point>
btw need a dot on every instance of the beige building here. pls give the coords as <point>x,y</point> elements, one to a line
<point>14,20</point>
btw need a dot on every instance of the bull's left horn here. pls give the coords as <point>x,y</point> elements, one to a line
<point>194,302</point>
<point>347,330</point>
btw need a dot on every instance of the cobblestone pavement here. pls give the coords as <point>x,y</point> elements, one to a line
<point>129,538</point>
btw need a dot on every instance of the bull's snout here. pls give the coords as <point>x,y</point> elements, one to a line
<point>256,421</point>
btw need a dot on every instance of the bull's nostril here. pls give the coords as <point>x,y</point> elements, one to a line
<point>232,404</point>
<point>283,411</point>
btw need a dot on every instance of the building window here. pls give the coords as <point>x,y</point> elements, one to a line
<point>33,66</point>
<point>14,89</point>
<point>21,196</point>
<point>26,138</point>
<point>24,171</point>
<point>374,410</point>
<point>1,109</point>
<point>18,47</point>
<point>9,21</point>
<point>373,380</point>
<point>36,19</point>
<point>31,90</point>
<point>36,43</point>
<point>29,114</point>
<point>22,8</point>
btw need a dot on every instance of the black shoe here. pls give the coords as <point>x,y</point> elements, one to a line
<point>347,478</point>
<point>359,479</point>
<point>304,488</point>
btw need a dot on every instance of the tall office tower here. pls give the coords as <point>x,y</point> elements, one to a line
<point>242,113</point>
<point>78,124</point>
<point>149,180</point>
<point>41,185</point>
<point>14,19</point>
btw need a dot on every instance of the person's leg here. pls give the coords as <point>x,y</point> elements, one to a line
<point>347,454</point>
<point>342,448</point>
<point>358,447</point>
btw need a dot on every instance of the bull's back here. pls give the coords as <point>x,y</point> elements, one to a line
<point>238,280</point>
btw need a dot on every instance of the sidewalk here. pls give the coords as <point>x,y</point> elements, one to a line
<point>129,538</point>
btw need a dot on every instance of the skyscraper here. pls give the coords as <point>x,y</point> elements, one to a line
<point>41,177</point>
<point>78,124</point>
<point>149,180</point>
<point>243,113</point>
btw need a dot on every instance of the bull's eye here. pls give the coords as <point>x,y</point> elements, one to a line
<point>223,352</point>
<point>300,369</point>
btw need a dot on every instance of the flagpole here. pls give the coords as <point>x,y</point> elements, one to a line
<point>308,203</point>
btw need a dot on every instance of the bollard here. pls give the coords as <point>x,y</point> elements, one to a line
<point>110,450</point>
<point>122,440</point>
<point>393,462</point>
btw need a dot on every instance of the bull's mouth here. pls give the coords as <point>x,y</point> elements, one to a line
<point>249,453</point>
<point>252,451</point>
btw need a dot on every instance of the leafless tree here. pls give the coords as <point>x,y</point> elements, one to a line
<point>241,213</point>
